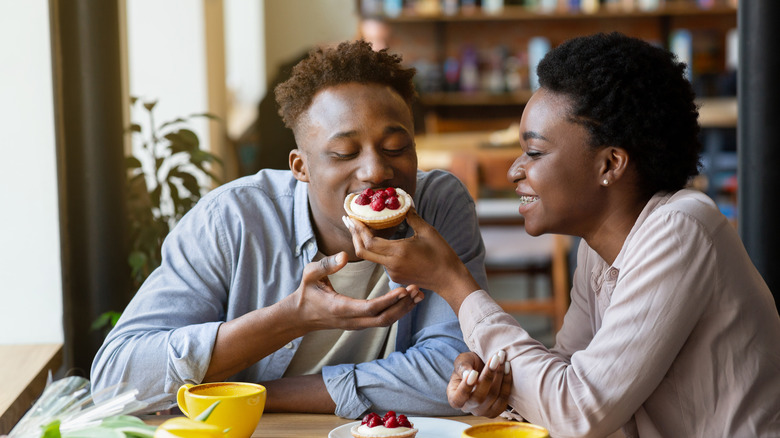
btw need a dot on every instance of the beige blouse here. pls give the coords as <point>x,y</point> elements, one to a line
<point>680,337</point>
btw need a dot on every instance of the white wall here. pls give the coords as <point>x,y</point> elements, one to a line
<point>245,62</point>
<point>30,272</point>
<point>167,60</point>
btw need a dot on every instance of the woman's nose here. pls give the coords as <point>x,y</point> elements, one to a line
<point>516,171</point>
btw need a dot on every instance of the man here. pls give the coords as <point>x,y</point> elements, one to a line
<point>260,281</point>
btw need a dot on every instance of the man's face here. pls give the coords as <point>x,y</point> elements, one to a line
<point>352,137</point>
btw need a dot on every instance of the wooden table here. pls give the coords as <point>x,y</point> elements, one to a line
<point>307,425</point>
<point>23,372</point>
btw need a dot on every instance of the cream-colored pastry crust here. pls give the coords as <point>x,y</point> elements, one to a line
<point>363,431</point>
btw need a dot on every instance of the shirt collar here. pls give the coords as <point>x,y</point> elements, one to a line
<point>304,230</point>
<point>656,201</point>
<point>604,272</point>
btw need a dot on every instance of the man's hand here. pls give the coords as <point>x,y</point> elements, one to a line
<point>320,307</point>
<point>425,259</point>
<point>479,389</point>
<point>313,306</point>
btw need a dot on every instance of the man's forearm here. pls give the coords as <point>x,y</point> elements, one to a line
<point>299,394</point>
<point>245,340</point>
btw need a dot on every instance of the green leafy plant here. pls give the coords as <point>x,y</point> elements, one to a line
<point>163,184</point>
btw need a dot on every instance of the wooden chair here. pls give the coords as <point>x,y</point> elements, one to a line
<point>509,248</point>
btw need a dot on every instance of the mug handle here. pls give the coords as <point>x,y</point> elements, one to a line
<point>180,398</point>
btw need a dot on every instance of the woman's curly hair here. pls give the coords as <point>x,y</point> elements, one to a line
<point>632,95</point>
<point>353,61</point>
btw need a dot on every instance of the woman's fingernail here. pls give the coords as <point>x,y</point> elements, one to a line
<point>417,299</point>
<point>506,367</point>
<point>501,356</point>
<point>346,221</point>
<point>472,378</point>
<point>465,375</point>
<point>494,362</point>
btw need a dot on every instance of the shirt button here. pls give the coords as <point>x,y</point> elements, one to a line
<point>612,274</point>
<point>289,345</point>
<point>309,246</point>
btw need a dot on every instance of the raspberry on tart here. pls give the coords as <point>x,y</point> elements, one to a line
<point>388,426</point>
<point>378,208</point>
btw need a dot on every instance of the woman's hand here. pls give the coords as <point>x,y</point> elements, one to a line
<point>479,389</point>
<point>320,307</point>
<point>425,259</point>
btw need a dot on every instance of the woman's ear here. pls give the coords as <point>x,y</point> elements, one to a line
<point>614,162</point>
<point>298,165</point>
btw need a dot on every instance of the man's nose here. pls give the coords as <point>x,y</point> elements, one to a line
<point>375,169</point>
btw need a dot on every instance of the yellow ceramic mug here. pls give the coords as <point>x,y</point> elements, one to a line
<point>240,405</point>
<point>506,429</point>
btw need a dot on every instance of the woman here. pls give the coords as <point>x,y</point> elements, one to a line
<point>671,330</point>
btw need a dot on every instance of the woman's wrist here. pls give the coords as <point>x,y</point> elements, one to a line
<point>457,286</point>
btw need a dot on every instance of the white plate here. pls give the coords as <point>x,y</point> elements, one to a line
<point>427,427</point>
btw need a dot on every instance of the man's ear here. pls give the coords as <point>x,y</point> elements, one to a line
<point>298,165</point>
<point>614,162</point>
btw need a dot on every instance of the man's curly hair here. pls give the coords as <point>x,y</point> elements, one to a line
<point>353,61</point>
<point>632,95</point>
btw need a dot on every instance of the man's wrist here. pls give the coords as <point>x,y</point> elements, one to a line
<point>291,315</point>
<point>299,394</point>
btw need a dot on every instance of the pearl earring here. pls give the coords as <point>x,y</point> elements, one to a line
<point>605,182</point>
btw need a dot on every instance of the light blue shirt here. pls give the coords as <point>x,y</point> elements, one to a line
<point>244,246</point>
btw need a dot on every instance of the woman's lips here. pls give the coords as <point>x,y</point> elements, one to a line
<point>527,199</point>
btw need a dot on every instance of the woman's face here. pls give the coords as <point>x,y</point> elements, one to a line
<point>352,137</point>
<point>558,174</point>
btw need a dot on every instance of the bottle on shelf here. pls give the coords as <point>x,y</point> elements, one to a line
<point>681,44</point>
<point>469,70</point>
<point>706,4</point>
<point>393,8</point>
<point>537,48</point>
<point>451,74</point>
<point>548,6</point>
<point>589,6</point>
<point>449,7</point>
<point>495,79</point>
<point>492,7</point>
<point>513,73</point>
<point>649,5</point>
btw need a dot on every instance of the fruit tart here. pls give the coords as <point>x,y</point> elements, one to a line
<point>389,426</point>
<point>378,208</point>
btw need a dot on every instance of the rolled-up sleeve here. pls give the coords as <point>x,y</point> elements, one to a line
<point>415,378</point>
<point>166,335</point>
